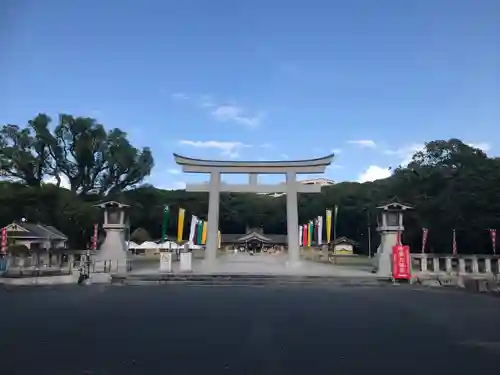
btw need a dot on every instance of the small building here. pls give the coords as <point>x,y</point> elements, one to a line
<point>35,236</point>
<point>253,240</point>
<point>343,246</point>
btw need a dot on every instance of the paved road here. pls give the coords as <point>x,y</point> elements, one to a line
<point>247,330</point>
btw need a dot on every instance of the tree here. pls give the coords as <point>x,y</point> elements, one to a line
<point>93,160</point>
<point>451,154</point>
<point>22,157</point>
<point>140,235</point>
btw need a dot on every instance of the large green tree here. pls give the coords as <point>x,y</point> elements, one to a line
<point>92,159</point>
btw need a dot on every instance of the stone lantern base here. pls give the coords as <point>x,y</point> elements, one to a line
<point>112,257</point>
<point>383,258</point>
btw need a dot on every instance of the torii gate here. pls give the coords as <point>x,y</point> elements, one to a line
<point>253,168</point>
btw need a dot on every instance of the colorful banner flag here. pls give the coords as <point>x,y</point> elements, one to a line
<point>493,234</point>
<point>4,240</point>
<point>335,215</point>
<point>219,239</point>
<point>301,232</point>
<point>328,225</point>
<point>425,233</point>
<point>165,223</point>
<point>199,232</point>
<point>204,233</point>
<point>192,229</point>
<point>320,230</point>
<point>94,237</point>
<point>454,249</point>
<point>310,233</point>
<point>315,230</point>
<point>180,224</point>
<point>304,237</point>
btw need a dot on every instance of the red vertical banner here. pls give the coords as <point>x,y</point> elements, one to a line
<point>454,246</point>
<point>4,240</point>
<point>94,237</point>
<point>401,267</point>
<point>425,233</point>
<point>305,239</point>
<point>493,234</point>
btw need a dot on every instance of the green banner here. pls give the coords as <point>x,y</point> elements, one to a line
<point>199,232</point>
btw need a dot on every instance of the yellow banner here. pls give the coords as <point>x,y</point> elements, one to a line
<point>204,234</point>
<point>328,225</point>
<point>219,238</point>
<point>180,224</point>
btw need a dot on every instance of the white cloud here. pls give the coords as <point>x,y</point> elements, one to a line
<point>223,112</point>
<point>483,146</point>
<point>171,185</point>
<point>283,156</point>
<point>265,145</point>
<point>178,185</point>
<point>180,96</point>
<point>64,181</point>
<point>230,149</point>
<point>364,143</point>
<point>232,113</point>
<point>336,150</point>
<point>405,153</point>
<point>374,173</point>
<point>174,171</point>
<point>207,101</point>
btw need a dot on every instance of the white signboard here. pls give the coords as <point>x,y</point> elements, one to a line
<point>343,249</point>
<point>166,262</point>
<point>185,264</point>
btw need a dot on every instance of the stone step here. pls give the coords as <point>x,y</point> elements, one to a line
<point>244,279</point>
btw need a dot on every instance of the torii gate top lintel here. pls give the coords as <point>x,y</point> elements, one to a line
<point>191,165</point>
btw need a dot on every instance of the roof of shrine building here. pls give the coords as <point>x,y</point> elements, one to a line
<point>34,231</point>
<point>254,234</point>
<point>343,240</point>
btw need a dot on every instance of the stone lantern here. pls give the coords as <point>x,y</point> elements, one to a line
<point>113,250</point>
<point>390,226</point>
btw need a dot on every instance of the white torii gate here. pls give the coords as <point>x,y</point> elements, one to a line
<point>253,168</point>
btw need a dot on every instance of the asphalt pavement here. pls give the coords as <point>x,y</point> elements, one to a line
<point>296,329</point>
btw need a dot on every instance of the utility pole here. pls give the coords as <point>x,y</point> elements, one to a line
<point>369,233</point>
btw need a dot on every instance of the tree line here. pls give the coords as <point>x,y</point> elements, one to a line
<point>451,185</point>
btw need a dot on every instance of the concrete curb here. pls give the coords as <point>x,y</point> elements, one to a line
<point>96,278</point>
<point>244,279</point>
<point>478,285</point>
<point>41,280</point>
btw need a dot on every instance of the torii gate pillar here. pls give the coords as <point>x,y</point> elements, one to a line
<point>291,188</point>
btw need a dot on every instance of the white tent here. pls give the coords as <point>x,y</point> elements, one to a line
<point>132,245</point>
<point>148,245</point>
<point>168,245</point>
<point>194,247</point>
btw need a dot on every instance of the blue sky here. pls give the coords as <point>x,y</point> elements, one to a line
<point>262,79</point>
